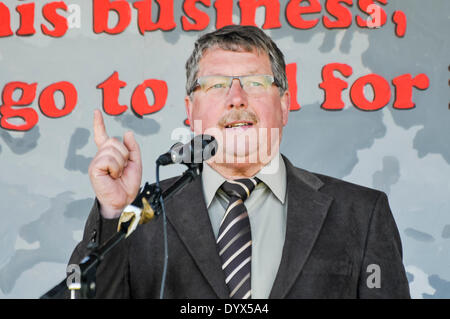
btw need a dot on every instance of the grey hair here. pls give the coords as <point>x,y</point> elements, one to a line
<point>237,38</point>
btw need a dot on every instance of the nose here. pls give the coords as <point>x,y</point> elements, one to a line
<point>236,96</point>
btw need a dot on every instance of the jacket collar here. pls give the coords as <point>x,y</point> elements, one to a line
<point>307,210</point>
<point>273,175</point>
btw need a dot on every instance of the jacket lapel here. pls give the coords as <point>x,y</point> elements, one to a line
<point>307,209</point>
<point>193,226</point>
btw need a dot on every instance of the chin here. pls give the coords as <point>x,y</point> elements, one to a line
<point>248,158</point>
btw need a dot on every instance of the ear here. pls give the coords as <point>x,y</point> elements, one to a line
<point>189,104</point>
<point>285,106</point>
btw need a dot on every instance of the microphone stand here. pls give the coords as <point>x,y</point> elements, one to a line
<point>88,267</point>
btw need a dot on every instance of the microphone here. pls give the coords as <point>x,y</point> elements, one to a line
<point>201,148</point>
<point>141,210</point>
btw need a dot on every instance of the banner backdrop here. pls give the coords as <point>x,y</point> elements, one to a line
<point>369,82</point>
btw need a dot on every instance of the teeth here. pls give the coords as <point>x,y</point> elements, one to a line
<point>238,124</point>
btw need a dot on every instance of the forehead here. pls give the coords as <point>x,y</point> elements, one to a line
<point>217,61</point>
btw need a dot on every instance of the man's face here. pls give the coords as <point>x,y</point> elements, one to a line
<point>243,123</point>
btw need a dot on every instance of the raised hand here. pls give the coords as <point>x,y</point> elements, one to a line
<point>116,170</point>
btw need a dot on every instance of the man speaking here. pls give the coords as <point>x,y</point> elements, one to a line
<point>251,225</point>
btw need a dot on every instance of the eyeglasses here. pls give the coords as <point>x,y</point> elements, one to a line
<point>219,85</point>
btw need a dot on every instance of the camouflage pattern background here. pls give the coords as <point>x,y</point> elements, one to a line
<point>45,193</point>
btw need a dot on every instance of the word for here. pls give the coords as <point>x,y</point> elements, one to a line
<point>335,14</point>
<point>404,85</point>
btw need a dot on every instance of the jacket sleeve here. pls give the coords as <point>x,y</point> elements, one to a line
<point>382,273</point>
<point>112,272</point>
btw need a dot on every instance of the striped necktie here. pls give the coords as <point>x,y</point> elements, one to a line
<point>234,241</point>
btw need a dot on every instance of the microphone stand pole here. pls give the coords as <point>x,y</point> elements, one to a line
<point>88,266</point>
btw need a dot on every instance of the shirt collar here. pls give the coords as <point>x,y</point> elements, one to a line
<point>273,175</point>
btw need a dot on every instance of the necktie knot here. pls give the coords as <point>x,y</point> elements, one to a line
<point>241,188</point>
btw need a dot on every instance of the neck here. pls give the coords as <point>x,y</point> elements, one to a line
<point>236,171</point>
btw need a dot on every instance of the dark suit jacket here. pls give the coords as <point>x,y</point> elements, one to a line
<point>335,230</point>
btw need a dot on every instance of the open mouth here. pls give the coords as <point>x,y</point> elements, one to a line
<point>239,124</point>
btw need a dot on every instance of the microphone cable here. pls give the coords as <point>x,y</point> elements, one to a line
<point>166,246</point>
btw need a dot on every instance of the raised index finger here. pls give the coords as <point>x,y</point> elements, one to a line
<point>100,135</point>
